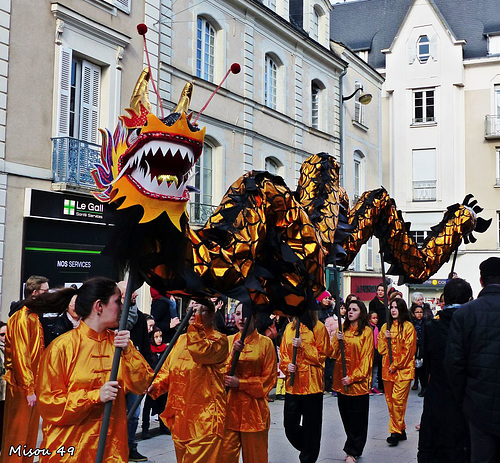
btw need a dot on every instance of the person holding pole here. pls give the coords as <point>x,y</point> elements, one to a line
<point>73,383</point>
<point>399,373</point>
<point>353,388</point>
<point>248,417</point>
<point>304,400</point>
<point>193,376</point>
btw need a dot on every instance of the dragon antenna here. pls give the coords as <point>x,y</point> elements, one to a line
<point>142,29</point>
<point>235,69</point>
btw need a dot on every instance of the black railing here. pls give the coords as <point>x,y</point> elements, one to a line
<point>200,213</point>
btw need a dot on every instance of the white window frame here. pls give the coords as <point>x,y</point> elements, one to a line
<point>359,109</point>
<point>498,229</point>
<point>271,4</point>
<point>497,165</point>
<point>424,175</point>
<point>369,254</point>
<point>423,41</point>
<point>315,105</point>
<point>205,49</point>
<point>315,24</point>
<point>426,93</point>
<point>270,82</point>
<point>273,166</point>
<point>358,176</point>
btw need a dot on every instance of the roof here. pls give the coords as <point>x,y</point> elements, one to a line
<point>373,24</point>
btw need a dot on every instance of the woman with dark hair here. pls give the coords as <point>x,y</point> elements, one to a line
<point>24,345</point>
<point>399,374</point>
<point>193,376</point>
<point>74,384</point>
<point>353,389</point>
<point>248,417</point>
<point>303,411</point>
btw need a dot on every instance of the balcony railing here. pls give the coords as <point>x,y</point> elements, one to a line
<point>424,191</point>
<point>492,126</point>
<point>72,161</point>
<point>200,213</point>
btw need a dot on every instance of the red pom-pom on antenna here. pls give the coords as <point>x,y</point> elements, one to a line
<point>235,68</point>
<point>142,29</point>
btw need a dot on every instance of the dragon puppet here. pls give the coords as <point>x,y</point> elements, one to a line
<point>264,243</point>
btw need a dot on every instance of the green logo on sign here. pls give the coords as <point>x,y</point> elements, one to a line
<point>69,207</point>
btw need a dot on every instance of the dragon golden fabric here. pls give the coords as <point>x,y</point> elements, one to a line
<point>265,244</point>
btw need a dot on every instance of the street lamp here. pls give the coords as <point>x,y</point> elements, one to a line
<point>364,98</point>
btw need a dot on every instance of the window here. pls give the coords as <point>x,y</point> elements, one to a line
<point>359,110</point>
<point>205,50</point>
<point>369,254</point>
<point>423,110</point>
<point>80,83</point>
<point>497,100</point>
<point>424,175</point>
<point>497,154</point>
<point>315,24</point>
<point>498,229</point>
<point>363,54</point>
<point>423,49</point>
<point>271,4</point>
<point>494,45</point>
<point>270,81</point>
<point>315,94</point>
<point>273,166</point>
<point>358,180</point>
<point>203,177</point>
<point>418,236</point>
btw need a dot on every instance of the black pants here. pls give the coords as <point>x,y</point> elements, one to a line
<point>422,376</point>
<point>485,447</point>
<point>306,437</point>
<point>354,413</point>
<point>328,374</point>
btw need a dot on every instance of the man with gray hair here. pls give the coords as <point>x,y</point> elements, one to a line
<point>472,363</point>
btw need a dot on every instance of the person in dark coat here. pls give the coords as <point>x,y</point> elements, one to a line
<point>443,437</point>
<point>164,311</point>
<point>472,363</point>
<point>377,305</point>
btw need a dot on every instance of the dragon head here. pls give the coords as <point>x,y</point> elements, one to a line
<point>148,161</point>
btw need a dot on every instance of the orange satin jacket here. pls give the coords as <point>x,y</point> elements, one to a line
<point>311,355</point>
<point>24,346</point>
<point>359,361</point>
<point>248,410</point>
<point>404,346</point>
<point>193,376</point>
<point>73,369</point>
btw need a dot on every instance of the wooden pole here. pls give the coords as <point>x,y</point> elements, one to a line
<point>294,353</point>
<point>388,317</point>
<point>236,356</point>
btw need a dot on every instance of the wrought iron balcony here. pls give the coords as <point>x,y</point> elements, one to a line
<point>424,191</point>
<point>491,127</point>
<point>200,213</point>
<point>72,161</point>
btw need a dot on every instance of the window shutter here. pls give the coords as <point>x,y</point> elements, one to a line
<point>412,51</point>
<point>123,5</point>
<point>89,106</point>
<point>64,92</point>
<point>433,47</point>
<point>369,254</point>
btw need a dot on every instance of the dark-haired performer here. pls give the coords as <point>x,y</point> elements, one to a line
<point>353,402</point>
<point>398,374</point>
<point>74,384</point>
<point>194,379</point>
<point>303,411</point>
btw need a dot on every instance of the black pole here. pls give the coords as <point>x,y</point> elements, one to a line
<point>237,353</point>
<point>334,287</point>
<point>114,368</point>
<point>450,275</point>
<point>295,349</point>
<point>163,357</point>
<point>386,303</point>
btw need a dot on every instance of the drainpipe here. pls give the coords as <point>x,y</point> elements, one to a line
<point>342,125</point>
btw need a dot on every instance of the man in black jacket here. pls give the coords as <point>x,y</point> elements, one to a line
<point>472,363</point>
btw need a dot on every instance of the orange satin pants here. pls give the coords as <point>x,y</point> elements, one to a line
<point>201,450</point>
<point>252,444</point>
<point>396,396</point>
<point>20,426</point>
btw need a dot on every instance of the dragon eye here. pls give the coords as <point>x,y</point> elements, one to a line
<point>132,138</point>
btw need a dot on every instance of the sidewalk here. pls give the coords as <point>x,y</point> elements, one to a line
<point>160,449</point>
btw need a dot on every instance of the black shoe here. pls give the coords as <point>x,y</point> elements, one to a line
<point>280,397</point>
<point>393,439</point>
<point>134,455</point>
<point>402,435</point>
<point>422,393</point>
<point>165,430</point>
<point>414,387</point>
<point>145,435</point>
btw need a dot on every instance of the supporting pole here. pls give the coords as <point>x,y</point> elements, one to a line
<point>388,318</point>
<point>450,275</point>
<point>295,349</point>
<point>163,357</point>
<point>114,368</point>
<point>236,356</point>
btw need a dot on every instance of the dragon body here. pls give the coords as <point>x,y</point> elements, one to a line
<point>264,243</point>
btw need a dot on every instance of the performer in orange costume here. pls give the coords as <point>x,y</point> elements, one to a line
<point>398,375</point>
<point>24,345</point>
<point>248,417</point>
<point>353,388</point>
<point>194,379</point>
<point>74,384</point>
<point>305,399</point>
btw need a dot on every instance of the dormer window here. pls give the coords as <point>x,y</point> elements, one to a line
<point>423,49</point>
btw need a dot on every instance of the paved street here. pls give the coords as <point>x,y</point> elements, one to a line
<point>160,449</point>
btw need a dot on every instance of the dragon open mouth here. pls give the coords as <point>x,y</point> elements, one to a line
<point>161,168</point>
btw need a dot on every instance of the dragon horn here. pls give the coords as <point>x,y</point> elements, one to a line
<point>185,98</point>
<point>140,94</point>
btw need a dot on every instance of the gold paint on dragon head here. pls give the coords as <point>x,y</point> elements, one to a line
<point>149,161</point>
